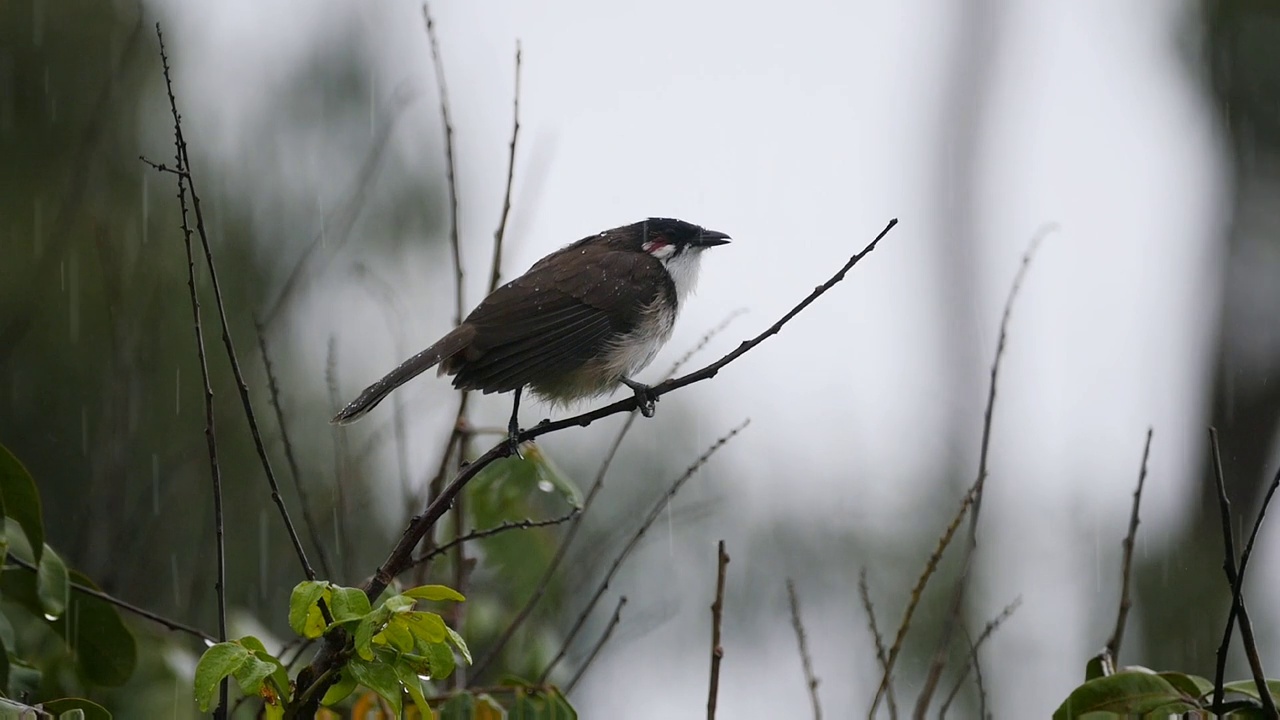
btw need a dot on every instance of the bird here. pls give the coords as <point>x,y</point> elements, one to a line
<point>579,323</point>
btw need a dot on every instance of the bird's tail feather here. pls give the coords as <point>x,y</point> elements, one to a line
<point>408,370</point>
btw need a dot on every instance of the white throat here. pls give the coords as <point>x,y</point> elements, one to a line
<point>683,269</point>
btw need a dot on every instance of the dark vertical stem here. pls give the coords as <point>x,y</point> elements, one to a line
<point>717,618</point>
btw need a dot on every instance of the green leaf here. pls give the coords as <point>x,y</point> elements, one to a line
<point>550,705</point>
<point>302,604</point>
<point>88,709</point>
<point>1124,692</point>
<point>341,689</point>
<point>397,634</point>
<point>21,499</point>
<point>252,673</point>
<point>52,584</point>
<point>1193,686</point>
<point>369,626</point>
<point>380,678</point>
<point>279,675</point>
<point>440,660</point>
<point>348,604</point>
<point>398,604</point>
<point>1250,688</point>
<point>105,652</point>
<point>413,685</point>
<point>459,643</point>
<point>548,472</point>
<point>434,592</point>
<point>217,663</point>
<point>427,626</point>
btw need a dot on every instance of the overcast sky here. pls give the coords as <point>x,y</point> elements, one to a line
<point>800,129</point>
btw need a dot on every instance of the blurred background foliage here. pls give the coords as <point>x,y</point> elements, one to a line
<point>99,387</point>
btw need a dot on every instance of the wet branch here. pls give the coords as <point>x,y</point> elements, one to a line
<point>810,680</point>
<point>717,619</point>
<point>595,649</point>
<point>882,655</point>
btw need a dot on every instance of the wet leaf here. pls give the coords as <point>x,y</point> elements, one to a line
<point>380,678</point>
<point>303,612</point>
<point>88,709</point>
<point>1193,686</point>
<point>1124,692</point>
<point>21,500</point>
<point>434,593</point>
<point>52,584</point>
<point>348,604</point>
<point>427,626</point>
<point>1250,688</point>
<point>217,663</point>
<point>341,689</point>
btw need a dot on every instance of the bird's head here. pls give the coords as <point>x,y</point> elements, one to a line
<point>677,244</point>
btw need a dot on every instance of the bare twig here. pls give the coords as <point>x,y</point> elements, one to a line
<point>717,618</point>
<point>401,556</point>
<point>273,387</point>
<point>495,530</point>
<point>882,655</point>
<point>1113,645</point>
<point>210,434</point>
<point>184,165</point>
<point>450,166</point>
<point>654,513</point>
<point>496,275</point>
<point>123,605</point>
<point>597,484</point>
<point>917,593</point>
<point>595,650</point>
<point>1236,581</point>
<point>990,628</point>
<point>810,680</point>
<point>957,601</point>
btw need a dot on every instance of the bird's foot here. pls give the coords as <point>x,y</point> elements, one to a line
<point>645,397</point>
<point>513,440</point>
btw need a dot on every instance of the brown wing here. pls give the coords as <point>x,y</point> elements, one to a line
<point>555,317</point>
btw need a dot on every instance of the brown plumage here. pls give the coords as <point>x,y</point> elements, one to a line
<point>577,323</point>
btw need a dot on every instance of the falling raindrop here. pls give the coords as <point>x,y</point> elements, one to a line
<point>50,618</point>
<point>208,642</point>
<point>262,554</point>
<point>84,430</point>
<point>62,275</point>
<point>177,388</point>
<point>173,570</point>
<point>73,304</point>
<point>546,486</point>
<point>146,206</point>
<point>155,483</point>
<point>37,230</point>
<point>37,24</point>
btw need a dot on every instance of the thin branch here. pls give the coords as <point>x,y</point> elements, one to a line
<point>717,618</point>
<point>957,601</point>
<point>184,164</point>
<point>990,628</point>
<point>123,605</point>
<point>450,165</point>
<point>273,387</point>
<point>401,556</point>
<point>1113,645</point>
<point>210,434</point>
<point>504,526</point>
<point>1236,582</point>
<point>654,513</point>
<point>882,655</point>
<point>498,235</point>
<point>917,593</point>
<point>810,680</point>
<point>161,167</point>
<point>595,650</point>
<point>545,581</point>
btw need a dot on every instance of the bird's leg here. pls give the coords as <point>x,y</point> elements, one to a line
<point>644,396</point>
<point>513,427</point>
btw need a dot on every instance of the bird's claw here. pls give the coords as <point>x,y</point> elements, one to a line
<point>646,399</point>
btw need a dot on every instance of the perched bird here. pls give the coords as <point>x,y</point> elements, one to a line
<point>582,320</point>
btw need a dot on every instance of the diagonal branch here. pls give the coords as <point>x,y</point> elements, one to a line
<point>654,513</point>
<point>401,555</point>
<point>957,601</point>
<point>595,650</point>
<point>1113,645</point>
<point>882,655</point>
<point>498,235</point>
<point>806,662</point>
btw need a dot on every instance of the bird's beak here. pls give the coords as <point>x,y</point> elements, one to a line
<point>711,238</point>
